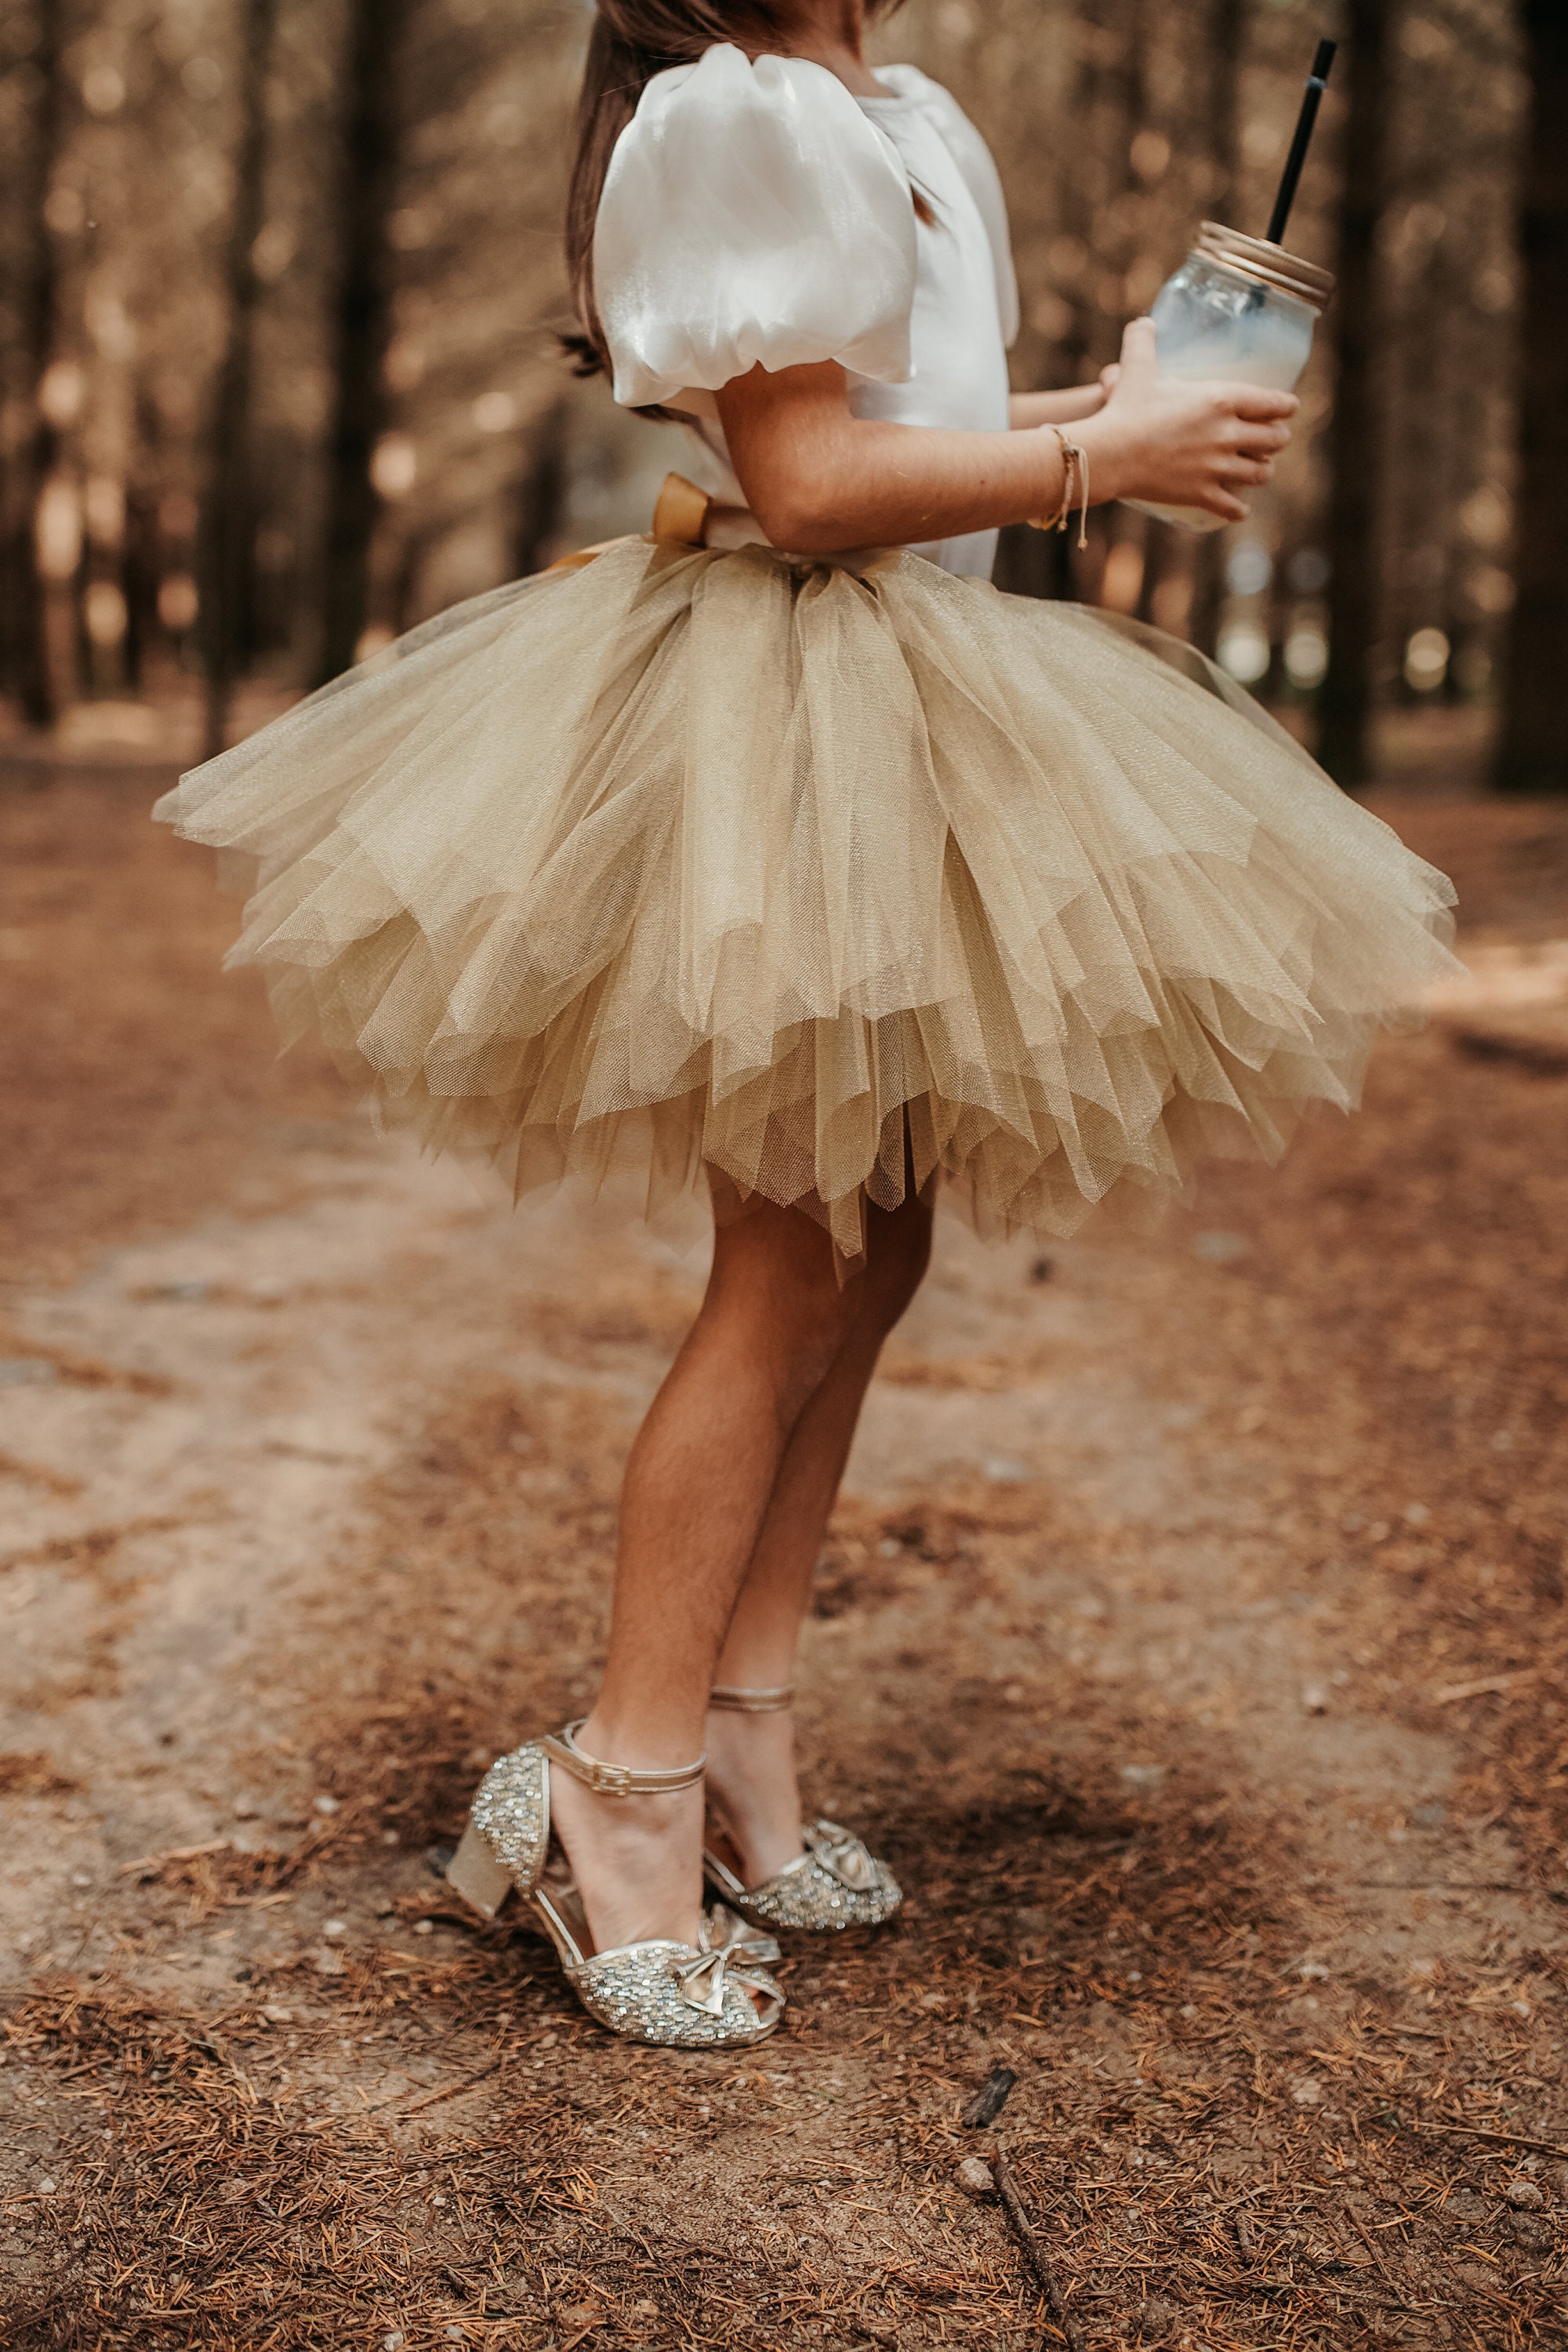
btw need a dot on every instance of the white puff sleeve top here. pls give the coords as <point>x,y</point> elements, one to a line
<point>761,214</point>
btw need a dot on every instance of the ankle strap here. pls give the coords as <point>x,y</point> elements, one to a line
<point>752,1702</point>
<point>614,1780</point>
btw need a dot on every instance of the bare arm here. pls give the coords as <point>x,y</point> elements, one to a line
<point>817,477</point>
<point>1026,410</point>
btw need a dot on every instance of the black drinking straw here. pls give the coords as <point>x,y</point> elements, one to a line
<point>1317,82</point>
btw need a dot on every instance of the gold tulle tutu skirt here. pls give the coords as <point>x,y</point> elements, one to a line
<point>824,878</point>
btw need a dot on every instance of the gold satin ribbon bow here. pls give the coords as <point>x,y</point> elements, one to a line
<point>842,1856</point>
<point>738,1951</point>
<point>680,519</point>
<point>680,513</point>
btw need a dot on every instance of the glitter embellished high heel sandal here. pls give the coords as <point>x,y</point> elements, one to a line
<point>713,1995</point>
<point>836,1883</point>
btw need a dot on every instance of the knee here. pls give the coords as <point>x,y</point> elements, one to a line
<point>800,1329</point>
<point>780,1297</point>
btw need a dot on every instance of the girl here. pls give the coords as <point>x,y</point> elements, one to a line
<point>779,848</point>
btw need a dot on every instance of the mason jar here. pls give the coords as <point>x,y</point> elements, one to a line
<point>1240,311</point>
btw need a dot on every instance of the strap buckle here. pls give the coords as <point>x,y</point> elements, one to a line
<point>607,1779</point>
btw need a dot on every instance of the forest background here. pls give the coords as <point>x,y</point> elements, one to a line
<point>281,282</point>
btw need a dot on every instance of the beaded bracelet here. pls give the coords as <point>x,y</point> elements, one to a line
<point>1075,490</point>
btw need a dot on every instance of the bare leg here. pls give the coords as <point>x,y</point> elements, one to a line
<point>751,1787</point>
<point>699,1482</point>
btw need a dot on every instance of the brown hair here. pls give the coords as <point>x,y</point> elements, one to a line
<point>632,40</point>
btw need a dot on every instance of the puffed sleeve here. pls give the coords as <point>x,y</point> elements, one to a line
<point>975,161</point>
<point>751,215</point>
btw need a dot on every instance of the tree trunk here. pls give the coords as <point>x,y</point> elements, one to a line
<point>1226,37</point>
<point>1131,81</point>
<point>364,323</point>
<point>1031,562</point>
<point>1355,453</point>
<point>40,319</point>
<point>1227,40</point>
<point>1532,756</point>
<point>228,524</point>
<point>541,492</point>
<point>139,585</point>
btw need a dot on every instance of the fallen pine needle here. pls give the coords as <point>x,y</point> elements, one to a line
<point>173,1854</point>
<point>1501,2139</point>
<point>1483,1685</point>
<point>448,2091</point>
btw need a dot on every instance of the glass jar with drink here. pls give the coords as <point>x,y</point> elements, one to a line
<point>1241,309</point>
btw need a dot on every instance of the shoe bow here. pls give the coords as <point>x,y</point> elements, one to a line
<point>734,1956</point>
<point>841,1855</point>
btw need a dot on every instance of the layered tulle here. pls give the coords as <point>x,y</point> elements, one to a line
<point>826,879</point>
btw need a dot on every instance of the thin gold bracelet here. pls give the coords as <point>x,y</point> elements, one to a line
<point>1075,491</point>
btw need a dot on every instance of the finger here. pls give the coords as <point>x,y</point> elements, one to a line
<point>1110,376</point>
<point>1139,361</point>
<point>1244,466</point>
<point>1256,404</point>
<point>1258,440</point>
<point>1244,432</point>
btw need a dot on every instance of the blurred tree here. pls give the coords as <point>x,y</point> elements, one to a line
<point>1079,177</point>
<point>39,329</point>
<point>1446,360</point>
<point>361,334</point>
<point>141,567</point>
<point>1354,543</point>
<point>1533,753</point>
<point>480,397</point>
<point>1226,36</point>
<point>1225,41</point>
<point>225,561</point>
<point>541,492</point>
<point>408,417</point>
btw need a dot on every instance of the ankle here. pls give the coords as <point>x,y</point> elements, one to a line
<point>753,1799</point>
<point>759,1743</point>
<point>635,1862</point>
<point>625,1822</point>
<point>609,1737</point>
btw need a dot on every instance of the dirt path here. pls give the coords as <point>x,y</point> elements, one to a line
<point>1190,1638</point>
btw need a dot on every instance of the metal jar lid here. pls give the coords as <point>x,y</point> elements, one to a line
<point>1270,264</point>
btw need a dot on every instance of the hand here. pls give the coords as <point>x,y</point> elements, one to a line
<point>1029,409</point>
<point>1178,443</point>
<point>1071,406</point>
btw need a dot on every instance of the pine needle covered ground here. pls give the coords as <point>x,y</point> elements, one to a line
<point>1191,1639</point>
